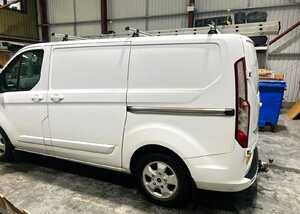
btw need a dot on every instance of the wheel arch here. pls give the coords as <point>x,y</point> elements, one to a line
<point>3,132</point>
<point>7,129</point>
<point>153,148</point>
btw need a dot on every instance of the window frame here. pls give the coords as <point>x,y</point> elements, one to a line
<point>23,8</point>
<point>3,79</point>
<point>17,57</point>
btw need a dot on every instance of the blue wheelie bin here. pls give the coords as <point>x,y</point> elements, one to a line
<point>271,96</point>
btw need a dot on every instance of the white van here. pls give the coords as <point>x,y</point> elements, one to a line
<point>175,111</point>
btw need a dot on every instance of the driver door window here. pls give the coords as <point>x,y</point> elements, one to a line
<point>10,75</point>
<point>24,72</point>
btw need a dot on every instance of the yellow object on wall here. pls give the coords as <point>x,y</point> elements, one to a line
<point>4,57</point>
<point>294,111</point>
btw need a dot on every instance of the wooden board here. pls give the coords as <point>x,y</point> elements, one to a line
<point>294,111</point>
<point>8,208</point>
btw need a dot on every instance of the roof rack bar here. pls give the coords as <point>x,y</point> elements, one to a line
<point>248,29</point>
<point>137,32</point>
<point>67,37</point>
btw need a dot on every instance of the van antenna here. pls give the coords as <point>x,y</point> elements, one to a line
<point>137,32</point>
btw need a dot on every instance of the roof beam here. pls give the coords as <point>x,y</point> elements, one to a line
<point>44,19</point>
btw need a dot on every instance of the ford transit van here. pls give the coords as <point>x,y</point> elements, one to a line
<point>177,112</point>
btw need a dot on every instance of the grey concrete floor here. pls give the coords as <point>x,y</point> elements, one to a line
<point>47,185</point>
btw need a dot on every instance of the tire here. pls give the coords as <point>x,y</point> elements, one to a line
<point>6,149</point>
<point>164,180</point>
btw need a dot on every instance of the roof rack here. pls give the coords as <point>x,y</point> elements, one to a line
<point>248,29</point>
<point>137,32</point>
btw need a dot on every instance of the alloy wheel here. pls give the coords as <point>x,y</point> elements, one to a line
<point>160,180</point>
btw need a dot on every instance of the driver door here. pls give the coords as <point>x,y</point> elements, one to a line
<point>23,108</point>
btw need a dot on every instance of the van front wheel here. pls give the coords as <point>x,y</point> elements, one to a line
<point>163,180</point>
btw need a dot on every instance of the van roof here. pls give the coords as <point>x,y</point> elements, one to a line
<point>148,39</point>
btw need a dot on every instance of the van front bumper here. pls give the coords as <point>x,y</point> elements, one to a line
<point>223,178</point>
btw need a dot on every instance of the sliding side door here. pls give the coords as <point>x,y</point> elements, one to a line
<point>87,102</point>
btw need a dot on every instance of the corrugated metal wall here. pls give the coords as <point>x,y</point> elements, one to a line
<point>18,24</point>
<point>163,14</point>
<point>167,7</point>
<point>285,54</point>
<point>142,14</point>
<point>209,5</point>
<point>74,17</point>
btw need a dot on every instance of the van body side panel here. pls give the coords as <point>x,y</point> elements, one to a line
<point>190,75</point>
<point>227,172</point>
<point>87,102</point>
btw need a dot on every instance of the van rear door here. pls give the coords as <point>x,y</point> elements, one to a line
<point>253,94</point>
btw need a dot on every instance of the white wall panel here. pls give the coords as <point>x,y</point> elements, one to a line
<point>285,48</point>
<point>88,10</point>
<point>60,11</point>
<point>89,29</point>
<point>291,42</point>
<point>69,29</point>
<point>167,23</point>
<point>119,26</point>
<point>208,15</point>
<point>126,8</point>
<point>290,67</point>
<point>265,3</point>
<point>159,7</point>
<point>206,5</point>
<point>284,61</point>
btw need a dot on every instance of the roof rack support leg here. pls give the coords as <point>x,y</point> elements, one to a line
<point>191,14</point>
<point>104,27</point>
<point>44,20</point>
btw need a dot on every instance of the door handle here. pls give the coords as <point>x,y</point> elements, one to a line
<point>37,98</point>
<point>56,98</point>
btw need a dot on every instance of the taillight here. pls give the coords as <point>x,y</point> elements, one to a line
<point>242,104</point>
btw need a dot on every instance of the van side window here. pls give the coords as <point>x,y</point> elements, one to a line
<point>24,72</point>
<point>10,76</point>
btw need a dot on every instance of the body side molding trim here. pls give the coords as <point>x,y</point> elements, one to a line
<point>182,111</point>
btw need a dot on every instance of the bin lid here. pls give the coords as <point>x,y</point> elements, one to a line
<point>272,83</point>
